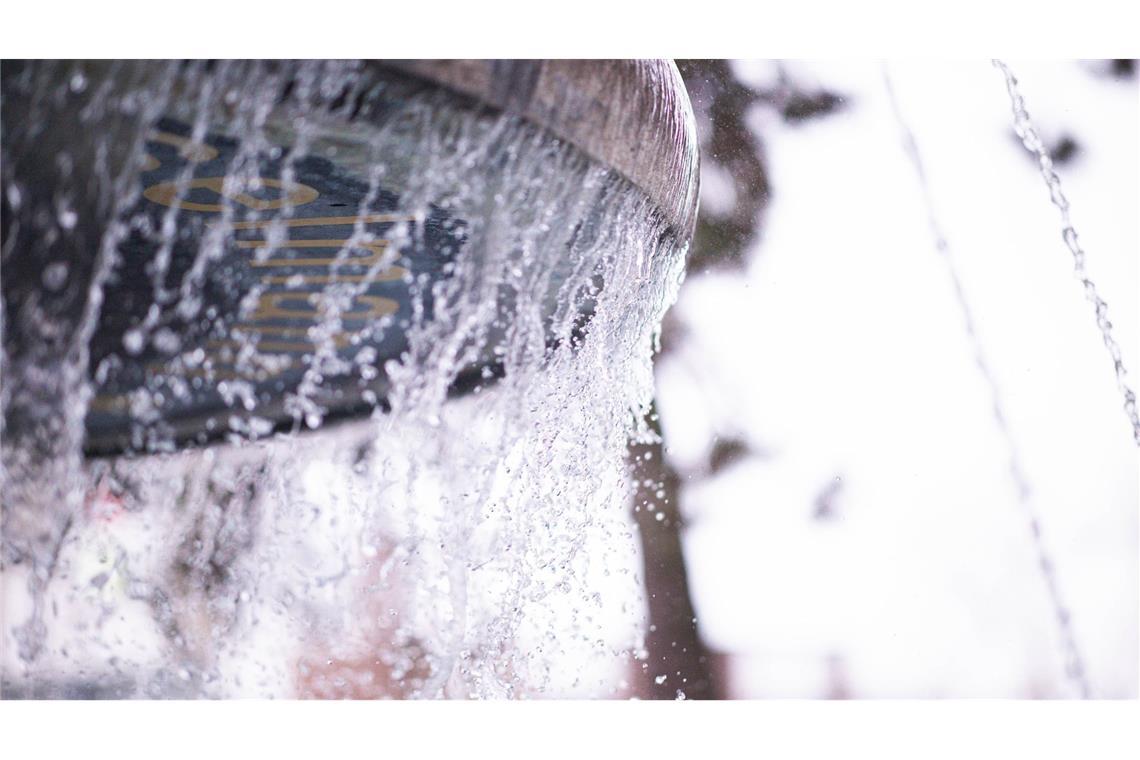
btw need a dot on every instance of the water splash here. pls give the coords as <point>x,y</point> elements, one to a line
<point>440,544</point>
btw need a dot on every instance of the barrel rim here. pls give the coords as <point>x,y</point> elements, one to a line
<point>632,115</point>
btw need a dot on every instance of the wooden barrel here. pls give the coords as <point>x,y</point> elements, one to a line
<point>71,132</point>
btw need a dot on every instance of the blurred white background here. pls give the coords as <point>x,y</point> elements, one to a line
<point>869,541</point>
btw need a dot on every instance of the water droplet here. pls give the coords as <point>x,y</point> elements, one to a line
<point>55,275</point>
<point>134,341</point>
<point>14,197</point>
<point>167,340</point>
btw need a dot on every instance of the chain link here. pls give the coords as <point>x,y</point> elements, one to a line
<point>1025,130</point>
<point>1071,652</point>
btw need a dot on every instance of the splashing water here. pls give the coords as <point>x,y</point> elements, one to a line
<point>471,345</point>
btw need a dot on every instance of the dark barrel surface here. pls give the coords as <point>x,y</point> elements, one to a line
<point>201,265</point>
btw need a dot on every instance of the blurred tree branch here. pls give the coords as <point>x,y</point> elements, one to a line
<point>678,662</point>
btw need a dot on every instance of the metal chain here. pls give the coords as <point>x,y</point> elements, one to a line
<point>1071,652</point>
<point>1033,143</point>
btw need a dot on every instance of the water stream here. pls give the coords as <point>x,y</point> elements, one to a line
<point>342,405</point>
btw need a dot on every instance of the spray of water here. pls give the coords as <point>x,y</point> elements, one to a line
<point>442,545</point>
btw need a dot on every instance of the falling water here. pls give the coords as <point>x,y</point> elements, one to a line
<point>1071,653</point>
<point>366,462</point>
<point>1023,127</point>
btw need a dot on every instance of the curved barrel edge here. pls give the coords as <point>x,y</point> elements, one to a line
<point>632,115</point>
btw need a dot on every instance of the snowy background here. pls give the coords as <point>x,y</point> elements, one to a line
<point>866,540</point>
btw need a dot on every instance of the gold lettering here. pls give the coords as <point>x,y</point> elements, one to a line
<point>323,221</point>
<point>293,193</point>
<point>271,338</point>
<point>388,275</point>
<point>270,306</point>
<point>106,403</point>
<point>219,368</point>
<point>376,248</point>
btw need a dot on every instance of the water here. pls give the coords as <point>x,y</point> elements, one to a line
<point>1074,660</point>
<point>376,461</point>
